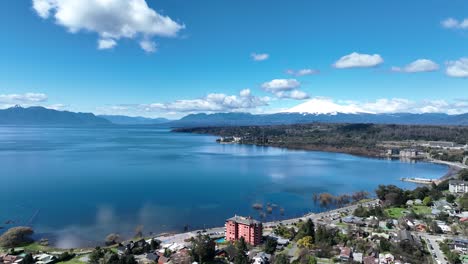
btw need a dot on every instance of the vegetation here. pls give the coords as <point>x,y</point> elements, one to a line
<point>107,256</point>
<point>203,248</point>
<point>360,139</point>
<point>270,245</point>
<point>16,236</point>
<point>241,252</point>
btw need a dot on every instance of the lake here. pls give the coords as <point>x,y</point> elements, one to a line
<point>76,185</point>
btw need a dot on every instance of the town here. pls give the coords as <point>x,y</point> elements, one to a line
<point>426,225</point>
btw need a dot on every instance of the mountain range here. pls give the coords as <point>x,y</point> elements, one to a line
<point>130,120</point>
<point>44,116</point>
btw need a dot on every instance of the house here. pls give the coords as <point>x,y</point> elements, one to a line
<point>387,258</point>
<point>261,258</point>
<point>417,201</point>
<point>409,153</point>
<point>345,253</point>
<point>460,244</point>
<point>9,259</point>
<point>181,257</point>
<point>409,202</point>
<point>246,227</point>
<point>357,257</point>
<point>457,186</point>
<point>404,235</point>
<point>45,259</point>
<point>369,260</point>
<point>163,260</point>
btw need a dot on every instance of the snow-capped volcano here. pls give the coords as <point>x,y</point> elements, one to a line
<point>321,106</point>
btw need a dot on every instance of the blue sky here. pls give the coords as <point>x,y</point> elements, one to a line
<point>182,56</point>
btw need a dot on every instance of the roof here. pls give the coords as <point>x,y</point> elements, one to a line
<point>345,252</point>
<point>244,220</point>
<point>457,182</point>
<point>369,260</point>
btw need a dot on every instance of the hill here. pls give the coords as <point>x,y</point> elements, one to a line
<point>130,120</point>
<point>43,116</point>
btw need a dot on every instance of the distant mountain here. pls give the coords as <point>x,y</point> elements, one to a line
<point>43,116</point>
<point>245,119</point>
<point>129,120</point>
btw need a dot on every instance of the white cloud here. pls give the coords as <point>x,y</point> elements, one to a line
<point>421,65</point>
<point>27,98</point>
<point>106,44</point>
<point>259,56</point>
<point>320,105</point>
<point>148,46</point>
<point>214,102</point>
<point>56,106</point>
<point>455,24</point>
<point>302,72</point>
<point>110,19</point>
<point>294,94</point>
<point>356,60</point>
<point>457,68</point>
<point>280,85</point>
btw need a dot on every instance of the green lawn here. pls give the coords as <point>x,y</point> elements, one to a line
<point>422,209</point>
<point>75,260</point>
<point>395,212</point>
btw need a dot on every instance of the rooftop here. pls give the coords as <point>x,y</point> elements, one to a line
<point>244,220</point>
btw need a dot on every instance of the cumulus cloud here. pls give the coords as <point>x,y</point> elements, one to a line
<point>148,46</point>
<point>110,19</point>
<point>106,44</point>
<point>421,65</point>
<point>280,85</point>
<point>214,102</point>
<point>357,60</point>
<point>455,24</point>
<point>302,72</point>
<point>285,89</point>
<point>294,94</point>
<point>457,68</point>
<point>27,98</point>
<point>259,56</point>
<point>321,105</point>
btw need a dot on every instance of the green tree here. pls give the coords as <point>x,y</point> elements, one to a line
<point>306,242</point>
<point>281,259</point>
<point>241,252</point>
<point>306,229</point>
<point>203,248</point>
<point>385,245</point>
<point>16,236</point>
<point>450,198</point>
<point>270,245</point>
<point>427,201</point>
<point>28,259</point>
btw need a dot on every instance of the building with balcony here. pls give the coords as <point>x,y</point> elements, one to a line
<point>246,227</point>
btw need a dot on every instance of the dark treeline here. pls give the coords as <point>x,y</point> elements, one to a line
<point>361,139</point>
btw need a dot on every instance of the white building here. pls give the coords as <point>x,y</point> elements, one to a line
<point>456,186</point>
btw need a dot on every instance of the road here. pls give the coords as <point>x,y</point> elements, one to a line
<point>219,231</point>
<point>433,247</point>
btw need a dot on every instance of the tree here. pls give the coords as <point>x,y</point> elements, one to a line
<point>435,228</point>
<point>96,255</point>
<point>241,252</point>
<point>463,202</point>
<point>155,244</point>
<point>306,229</point>
<point>281,259</point>
<point>28,259</point>
<point>306,242</point>
<point>450,198</point>
<point>270,245</point>
<point>112,239</point>
<point>463,175</point>
<point>16,236</point>
<point>427,201</point>
<point>203,248</point>
<point>384,245</point>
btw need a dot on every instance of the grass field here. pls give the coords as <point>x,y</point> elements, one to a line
<point>395,212</point>
<point>421,209</point>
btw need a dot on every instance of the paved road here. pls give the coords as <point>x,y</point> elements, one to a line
<point>219,231</point>
<point>433,247</point>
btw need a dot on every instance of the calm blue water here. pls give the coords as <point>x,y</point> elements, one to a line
<point>78,185</point>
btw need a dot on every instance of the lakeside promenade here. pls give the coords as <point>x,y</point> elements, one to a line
<point>181,238</point>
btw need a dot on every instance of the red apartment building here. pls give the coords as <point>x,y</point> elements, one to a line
<point>246,227</point>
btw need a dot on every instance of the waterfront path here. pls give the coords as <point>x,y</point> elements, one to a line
<point>181,238</point>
